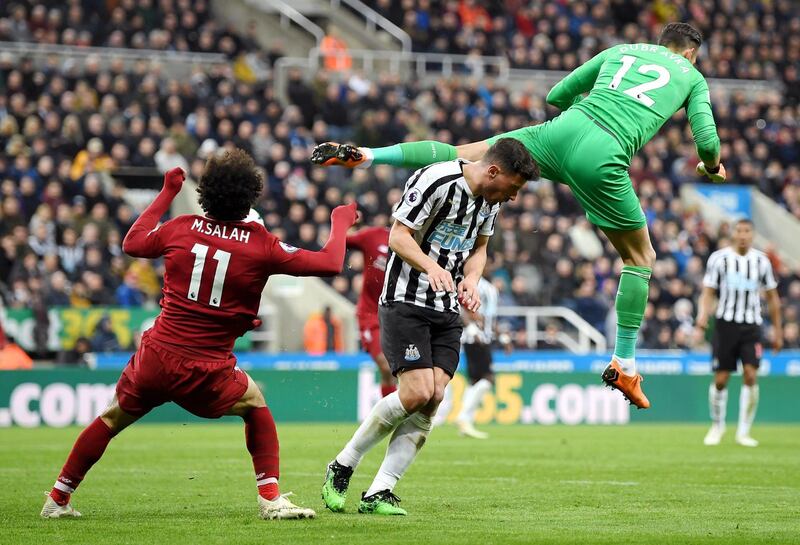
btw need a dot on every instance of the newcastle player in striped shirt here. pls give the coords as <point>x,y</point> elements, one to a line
<point>438,253</point>
<point>738,273</point>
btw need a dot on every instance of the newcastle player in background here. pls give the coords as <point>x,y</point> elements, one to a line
<point>477,343</point>
<point>737,273</point>
<point>438,253</point>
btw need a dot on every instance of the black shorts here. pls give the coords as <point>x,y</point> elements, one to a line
<point>415,337</point>
<point>479,360</point>
<point>732,342</point>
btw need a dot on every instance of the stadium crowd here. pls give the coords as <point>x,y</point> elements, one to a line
<point>62,217</point>
<point>179,25</point>
<point>745,40</point>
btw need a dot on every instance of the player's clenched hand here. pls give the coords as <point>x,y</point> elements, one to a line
<point>173,179</point>
<point>347,213</point>
<point>440,279</point>
<point>716,177</point>
<point>468,295</point>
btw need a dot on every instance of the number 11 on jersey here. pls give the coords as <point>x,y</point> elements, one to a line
<point>222,257</point>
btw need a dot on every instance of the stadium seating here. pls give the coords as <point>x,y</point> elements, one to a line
<point>61,129</point>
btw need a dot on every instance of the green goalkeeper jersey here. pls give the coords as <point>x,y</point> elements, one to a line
<point>634,88</point>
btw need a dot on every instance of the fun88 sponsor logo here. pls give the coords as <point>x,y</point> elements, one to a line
<point>451,236</point>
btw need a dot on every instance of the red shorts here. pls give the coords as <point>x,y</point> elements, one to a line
<point>370,331</point>
<point>155,375</point>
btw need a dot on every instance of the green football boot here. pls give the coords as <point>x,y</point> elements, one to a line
<point>334,490</point>
<point>381,503</point>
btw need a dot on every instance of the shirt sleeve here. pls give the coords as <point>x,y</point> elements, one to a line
<point>711,278</point>
<point>153,243</point>
<point>569,90</point>
<point>145,238</point>
<point>701,120</point>
<point>421,198</point>
<point>768,280</point>
<point>287,259</point>
<point>487,227</point>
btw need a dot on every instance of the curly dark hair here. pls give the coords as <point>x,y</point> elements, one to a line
<point>680,35</point>
<point>230,186</point>
<point>513,157</point>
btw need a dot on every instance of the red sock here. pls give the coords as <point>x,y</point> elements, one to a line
<point>88,448</point>
<point>386,390</point>
<point>262,444</point>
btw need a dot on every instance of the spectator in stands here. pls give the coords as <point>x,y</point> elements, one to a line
<point>78,355</point>
<point>323,333</point>
<point>57,295</point>
<point>128,293</point>
<point>168,157</point>
<point>334,51</point>
<point>550,339</point>
<point>104,338</point>
<point>91,159</point>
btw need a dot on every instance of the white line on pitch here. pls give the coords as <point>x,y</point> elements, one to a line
<point>611,483</point>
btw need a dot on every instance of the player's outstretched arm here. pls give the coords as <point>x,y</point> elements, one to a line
<point>704,130</point>
<point>570,90</point>
<point>143,239</point>
<point>285,259</point>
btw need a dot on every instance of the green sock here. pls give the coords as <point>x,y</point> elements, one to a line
<point>414,154</point>
<point>631,301</point>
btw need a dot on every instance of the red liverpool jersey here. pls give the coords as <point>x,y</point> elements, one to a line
<point>373,242</point>
<point>215,273</point>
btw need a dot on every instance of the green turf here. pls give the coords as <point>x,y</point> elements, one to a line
<point>640,484</point>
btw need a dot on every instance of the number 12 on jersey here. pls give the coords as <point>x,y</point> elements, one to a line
<point>638,91</point>
<point>222,257</point>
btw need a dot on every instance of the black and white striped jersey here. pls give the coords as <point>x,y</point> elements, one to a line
<point>447,218</point>
<point>739,280</point>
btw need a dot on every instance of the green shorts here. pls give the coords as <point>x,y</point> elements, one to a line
<point>574,150</point>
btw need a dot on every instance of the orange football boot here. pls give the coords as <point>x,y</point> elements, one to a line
<point>333,154</point>
<point>630,386</point>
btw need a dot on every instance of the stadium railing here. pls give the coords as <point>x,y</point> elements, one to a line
<point>178,63</point>
<point>289,15</point>
<point>434,65</point>
<point>374,20</point>
<point>586,339</point>
<point>407,65</point>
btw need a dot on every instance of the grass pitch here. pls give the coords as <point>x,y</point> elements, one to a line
<point>193,484</point>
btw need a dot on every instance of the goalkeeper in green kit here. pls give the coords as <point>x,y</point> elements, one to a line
<point>632,90</point>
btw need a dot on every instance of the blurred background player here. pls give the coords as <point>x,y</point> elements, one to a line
<point>737,273</point>
<point>373,243</point>
<point>216,268</point>
<point>438,253</point>
<point>632,90</point>
<point>476,341</point>
<point>479,333</point>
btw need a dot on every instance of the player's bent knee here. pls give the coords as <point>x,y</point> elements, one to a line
<point>416,396</point>
<point>115,418</point>
<point>646,257</point>
<point>649,257</point>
